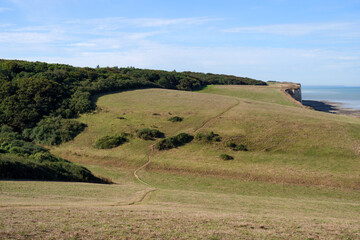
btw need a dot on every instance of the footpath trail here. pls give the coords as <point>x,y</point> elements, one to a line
<point>213,119</point>
<point>152,147</point>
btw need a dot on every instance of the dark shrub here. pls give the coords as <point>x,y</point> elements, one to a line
<point>7,133</point>
<point>240,147</point>
<point>183,138</point>
<point>173,142</point>
<point>110,141</point>
<point>20,168</point>
<point>165,144</point>
<point>235,147</point>
<point>149,134</point>
<point>230,144</point>
<point>20,147</point>
<point>41,157</point>
<point>209,137</point>
<point>55,130</point>
<point>175,119</point>
<point>226,157</point>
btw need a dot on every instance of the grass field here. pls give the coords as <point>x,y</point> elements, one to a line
<point>300,178</point>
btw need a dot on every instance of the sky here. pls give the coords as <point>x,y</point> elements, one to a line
<point>313,42</point>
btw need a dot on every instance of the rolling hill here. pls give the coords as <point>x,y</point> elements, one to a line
<point>298,178</point>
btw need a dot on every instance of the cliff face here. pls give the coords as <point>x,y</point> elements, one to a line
<point>295,92</point>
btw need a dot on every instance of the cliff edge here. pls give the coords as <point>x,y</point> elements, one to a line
<point>292,91</point>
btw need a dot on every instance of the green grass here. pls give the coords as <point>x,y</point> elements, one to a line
<point>300,178</point>
<point>269,94</point>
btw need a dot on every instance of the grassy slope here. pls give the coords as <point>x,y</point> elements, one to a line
<point>270,94</point>
<point>300,178</point>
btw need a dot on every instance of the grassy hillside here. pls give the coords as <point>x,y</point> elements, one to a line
<point>287,144</point>
<point>38,99</point>
<point>299,178</point>
<point>269,94</point>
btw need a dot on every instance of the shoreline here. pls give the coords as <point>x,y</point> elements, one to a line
<point>331,107</point>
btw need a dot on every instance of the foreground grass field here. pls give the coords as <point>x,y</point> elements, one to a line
<point>300,178</point>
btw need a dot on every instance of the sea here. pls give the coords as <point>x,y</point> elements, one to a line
<point>348,97</point>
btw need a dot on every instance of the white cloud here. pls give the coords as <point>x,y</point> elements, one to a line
<point>33,37</point>
<point>6,25</point>
<point>297,29</point>
<point>83,44</point>
<point>115,23</point>
<point>4,9</point>
<point>25,38</point>
<point>154,22</point>
<point>139,42</point>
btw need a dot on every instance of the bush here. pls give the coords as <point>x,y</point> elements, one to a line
<point>110,141</point>
<point>226,157</point>
<point>20,168</point>
<point>235,147</point>
<point>25,160</point>
<point>54,131</point>
<point>149,134</point>
<point>165,144</point>
<point>7,133</point>
<point>42,157</point>
<point>20,147</point>
<point>230,144</point>
<point>175,119</point>
<point>209,137</point>
<point>173,142</point>
<point>183,138</point>
<point>240,147</point>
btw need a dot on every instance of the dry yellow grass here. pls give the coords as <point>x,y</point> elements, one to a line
<point>94,212</point>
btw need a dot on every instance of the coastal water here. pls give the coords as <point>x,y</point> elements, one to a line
<point>349,97</point>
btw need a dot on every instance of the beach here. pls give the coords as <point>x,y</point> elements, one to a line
<point>331,107</point>
<point>332,99</point>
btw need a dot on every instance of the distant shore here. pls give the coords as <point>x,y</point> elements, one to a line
<point>331,107</point>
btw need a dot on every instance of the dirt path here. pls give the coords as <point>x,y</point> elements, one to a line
<point>152,147</point>
<point>213,119</point>
<point>205,124</point>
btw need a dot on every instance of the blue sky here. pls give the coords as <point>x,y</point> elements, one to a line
<point>312,42</point>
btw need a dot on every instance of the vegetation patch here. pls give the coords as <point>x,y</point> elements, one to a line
<point>108,142</point>
<point>208,137</point>
<point>149,134</point>
<point>236,147</point>
<point>20,159</point>
<point>44,167</point>
<point>175,119</point>
<point>54,131</point>
<point>226,157</point>
<point>13,142</point>
<point>173,142</point>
